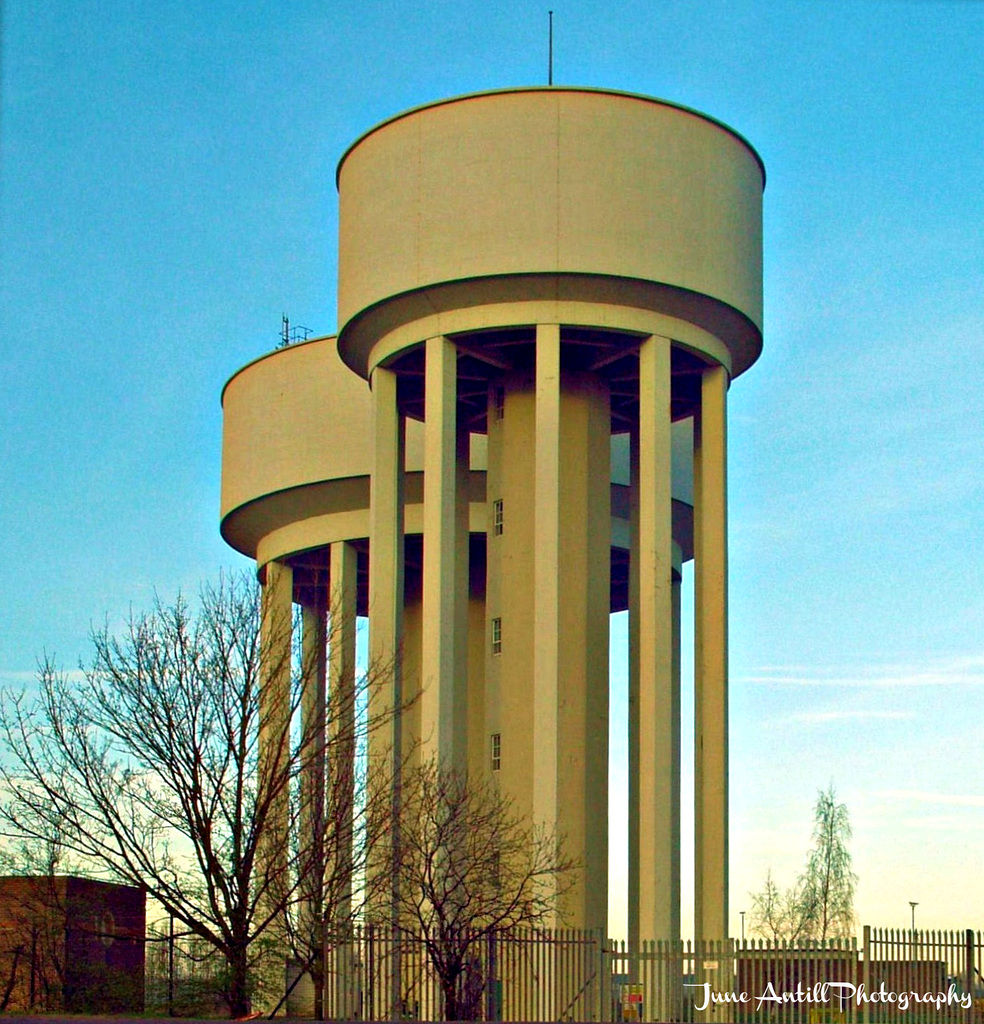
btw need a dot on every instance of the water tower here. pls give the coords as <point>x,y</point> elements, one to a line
<point>548,292</point>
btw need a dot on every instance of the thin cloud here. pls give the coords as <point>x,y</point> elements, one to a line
<point>964,671</point>
<point>821,717</point>
<point>926,797</point>
<point>23,679</point>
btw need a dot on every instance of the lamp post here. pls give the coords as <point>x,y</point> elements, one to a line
<point>742,912</point>
<point>912,933</point>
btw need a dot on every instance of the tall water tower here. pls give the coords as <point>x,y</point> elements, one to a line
<point>548,291</point>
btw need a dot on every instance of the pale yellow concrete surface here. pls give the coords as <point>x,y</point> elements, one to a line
<point>297,443</point>
<point>295,416</point>
<point>296,457</point>
<point>603,302</point>
<point>341,727</point>
<point>444,652</point>
<point>654,787</point>
<point>386,567</point>
<point>711,661</point>
<point>552,182</point>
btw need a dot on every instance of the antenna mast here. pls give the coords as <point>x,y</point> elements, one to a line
<point>288,334</point>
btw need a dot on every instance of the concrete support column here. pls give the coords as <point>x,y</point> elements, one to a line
<point>314,638</point>
<point>571,570</point>
<point>385,637</point>
<point>275,701</point>
<point>711,659</point>
<point>274,772</point>
<point>654,739</point>
<point>445,569</point>
<point>386,566</point>
<point>635,779</point>
<point>341,715</point>
<point>342,743</point>
<point>546,576</point>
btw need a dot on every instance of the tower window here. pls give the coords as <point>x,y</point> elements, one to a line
<point>497,517</point>
<point>498,402</point>
<point>496,751</point>
<point>497,636</point>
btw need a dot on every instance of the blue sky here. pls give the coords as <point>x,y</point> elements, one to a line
<point>167,190</point>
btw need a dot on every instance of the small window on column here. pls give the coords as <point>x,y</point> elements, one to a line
<point>496,751</point>
<point>498,402</point>
<point>497,517</point>
<point>497,636</point>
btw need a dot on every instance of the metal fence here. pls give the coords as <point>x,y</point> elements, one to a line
<point>184,976</point>
<point>523,975</point>
<point>898,977</point>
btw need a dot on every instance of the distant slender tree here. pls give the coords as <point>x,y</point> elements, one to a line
<point>828,882</point>
<point>821,903</point>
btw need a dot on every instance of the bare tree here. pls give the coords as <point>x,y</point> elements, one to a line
<point>821,903</point>
<point>470,869</point>
<point>780,915</point>
<point>161,769</point>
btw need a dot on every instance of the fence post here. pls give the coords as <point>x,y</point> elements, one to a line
<point>969,955</point>
<point>371,973</point>
<point>490,974</point>
<point>604,976</point>
<point>866,974</point>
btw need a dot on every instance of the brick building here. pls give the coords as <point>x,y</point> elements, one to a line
<point>70,944</point>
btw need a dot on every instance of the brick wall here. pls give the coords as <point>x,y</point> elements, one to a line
<point>70,944</point>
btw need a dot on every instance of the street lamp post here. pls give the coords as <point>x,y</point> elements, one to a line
<point>742,912</point>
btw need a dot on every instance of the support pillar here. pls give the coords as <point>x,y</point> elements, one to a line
<point>275,709</point>
<point>311,824</point>
<point>385,635</point>
<point>571,571</point>
<point>654,738</point>
<point>711,660</point>
<point>314,638</point>
<point>546,576</point>
<point>386,567</point>
<point>274,770</point>
<point>445,568</point>
<point>342,746</point>
<point>635,780</point>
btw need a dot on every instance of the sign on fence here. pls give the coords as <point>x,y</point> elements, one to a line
<point>632,1002</point>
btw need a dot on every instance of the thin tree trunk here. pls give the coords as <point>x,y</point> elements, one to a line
<point>450,998</point>
<point>239,1004</point>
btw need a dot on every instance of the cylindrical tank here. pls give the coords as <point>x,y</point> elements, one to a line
<point>453,212</point>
